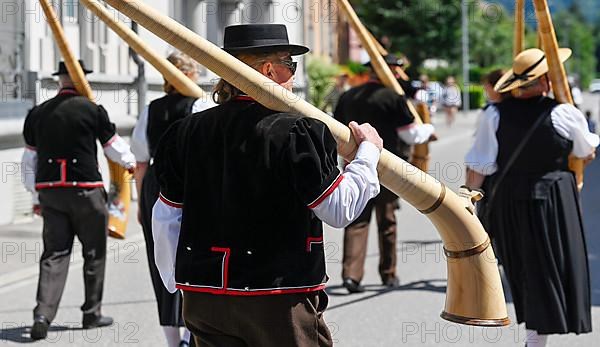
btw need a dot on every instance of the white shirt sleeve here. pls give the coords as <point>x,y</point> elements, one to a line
<point>139,138</point>
<point>481,158</point>
<point>28,168</point>
<point>415,134</point>
<point>571,124</point>
<point>203,103</point>
<point>358,185</point>
<point>166,225</point>
<point>117,150</point>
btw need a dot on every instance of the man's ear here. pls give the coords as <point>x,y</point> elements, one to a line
<point>267,69</point>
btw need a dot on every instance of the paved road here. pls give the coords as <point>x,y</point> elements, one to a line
<point>408,315</point>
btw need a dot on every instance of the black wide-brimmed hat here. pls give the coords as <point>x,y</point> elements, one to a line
<point>390,59</point>
<point>62,69</point>
<point>259,38</point>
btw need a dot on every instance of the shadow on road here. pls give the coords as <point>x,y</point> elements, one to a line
<point>373,290</point>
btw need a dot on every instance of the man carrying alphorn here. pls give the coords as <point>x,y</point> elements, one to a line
<point>244,191</point>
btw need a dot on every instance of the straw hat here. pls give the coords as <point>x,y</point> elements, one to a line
<point>528,66</point>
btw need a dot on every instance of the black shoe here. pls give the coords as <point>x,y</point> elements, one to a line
<point>353,286</point>
<point>39,330</point>
<point>92,321</point>
<point>392,282</point>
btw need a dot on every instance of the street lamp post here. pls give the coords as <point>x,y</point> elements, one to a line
<point>465,54</point>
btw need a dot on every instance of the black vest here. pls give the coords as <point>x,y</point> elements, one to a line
<point>163,112</point>
<point>63,131</point>
<point>545,151</point>
<point>245,177</point>
<point>383,108</point>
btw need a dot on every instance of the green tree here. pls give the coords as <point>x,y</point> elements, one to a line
<point>420,29</point>
<point>573,32</point>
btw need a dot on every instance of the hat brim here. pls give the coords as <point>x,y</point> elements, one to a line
<point>85,71</point>
<point>539,71</point>
<point>293,49</point>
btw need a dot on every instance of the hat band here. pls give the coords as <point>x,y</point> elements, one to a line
<point>256,42</point>
<point>523,76</point>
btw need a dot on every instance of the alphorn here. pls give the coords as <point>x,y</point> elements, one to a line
<point>173,75</point>
<point>519,39</point>
<point>120,194</point>
<point>75,71</point>
<point>474,294</point>
<point>385,52</point>
<point>420,153</point>
<point>556,72</point>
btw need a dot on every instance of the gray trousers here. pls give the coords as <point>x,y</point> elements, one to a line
<point>68,212</point>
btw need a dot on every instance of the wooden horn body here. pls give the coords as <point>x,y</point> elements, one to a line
<point>75,71</point>
<point>475,293</point>
<point>556,72</point>
<point>172,74</point>
<point>519,39</point>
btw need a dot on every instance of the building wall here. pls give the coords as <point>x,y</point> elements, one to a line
<point>28,56</point>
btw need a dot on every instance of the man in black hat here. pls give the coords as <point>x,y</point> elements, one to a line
<point>388,112</point>
<point>244,191</point>
<point>60,164</point>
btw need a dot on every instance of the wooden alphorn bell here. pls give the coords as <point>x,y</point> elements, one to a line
<point>173,75</point>
<point>420,153</point>
<point>556,72</point>
<point>474,294</point>
<point>119,177</point>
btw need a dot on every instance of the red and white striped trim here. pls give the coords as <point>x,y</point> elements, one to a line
<point>327,192</point>
<point>249,292</point>
<point>110,141</point>
<point>65,184</point>
<point>170,202</point>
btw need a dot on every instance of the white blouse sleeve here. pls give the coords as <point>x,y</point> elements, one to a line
<point>28,168</point>
<point>415,133</point>
<point>166,224</point>
<point>481,158</point>
<point>203,103</point>
<point>358,185</point>
<point>139,138</point>
<point>117,150</point>
<point>571,124</point>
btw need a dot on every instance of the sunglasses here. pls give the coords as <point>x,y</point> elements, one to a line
<point>290,64</point>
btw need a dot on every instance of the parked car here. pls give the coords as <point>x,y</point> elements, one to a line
<point>595,86</point>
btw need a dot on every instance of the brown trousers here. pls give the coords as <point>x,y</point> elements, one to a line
<point>257,321</point>
<point>356,235</point>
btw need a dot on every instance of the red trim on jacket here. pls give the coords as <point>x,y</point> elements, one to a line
<point>242,292</point>
<point>63,183</point>
<point>312,239</point>
<point>68,91</point>
<point>169,202</point>
<point>110,141</point>
<point>59,184</point>
<point>327,192</point>
<point>244,97</point>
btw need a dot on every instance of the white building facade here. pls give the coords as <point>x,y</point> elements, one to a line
<point>28,56</point>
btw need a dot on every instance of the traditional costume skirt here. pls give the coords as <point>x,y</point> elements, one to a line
<point>169,305</point>
<point>538,235</point>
